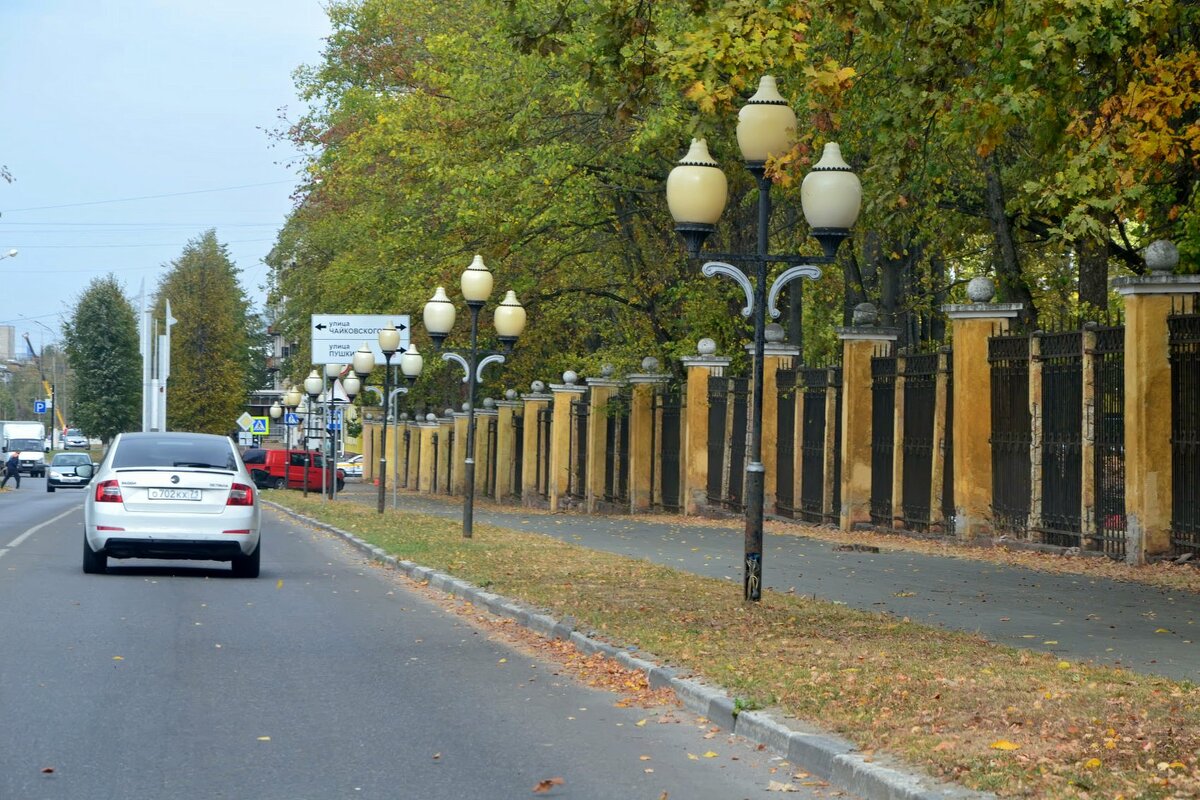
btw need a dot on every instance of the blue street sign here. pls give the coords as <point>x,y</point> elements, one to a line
<point>335,419</point>
<point>39,406</point>
<point>291,419</point>
<point>259,425</point>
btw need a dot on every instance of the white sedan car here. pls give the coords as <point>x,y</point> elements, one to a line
<point>172,495</point>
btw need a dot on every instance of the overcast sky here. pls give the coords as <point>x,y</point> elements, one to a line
<point>169,100</point>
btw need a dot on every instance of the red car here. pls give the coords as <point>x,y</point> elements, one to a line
<point>277,469</point>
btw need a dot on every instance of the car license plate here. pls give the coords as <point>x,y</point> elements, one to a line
<point>174,494</point>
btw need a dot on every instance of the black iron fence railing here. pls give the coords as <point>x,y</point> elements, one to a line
<point>920,405</point>
<point>883,427</point>
<point>949,510</point>
<point>785,443</point>
<point>1061,357</point>
<point>616,448</point>
<point>718,399</point>
<point>577,449</point>
<point>812,453</point>
<point>667,430</point>
<point>1008,355</point>
<point>1108,378</point>
<point>518,459</point>
<point>545,420</point>
<point>1184,348</point>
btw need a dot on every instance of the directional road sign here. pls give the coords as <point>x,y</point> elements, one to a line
<point>336,337</point>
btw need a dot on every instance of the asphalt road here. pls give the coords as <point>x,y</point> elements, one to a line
<point>325,678</point>
<point>1129,625</point>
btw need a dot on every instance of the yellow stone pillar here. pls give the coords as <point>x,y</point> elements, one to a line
<point>645,470</point>
<point>508,482</point>
<point>859,343</point>
<point>971,326</point>
<point>370,439</point>
<point>600,392</point>
<point>777,355</point>
<point>535,402</point>
<point>1148,468</point>
<point>695,451</point>
<point>560,438</point>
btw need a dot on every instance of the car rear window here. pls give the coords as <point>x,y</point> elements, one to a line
<point>64,459</point>
<point>175,451</point>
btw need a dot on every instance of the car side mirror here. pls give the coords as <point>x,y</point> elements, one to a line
<point>85,470</point>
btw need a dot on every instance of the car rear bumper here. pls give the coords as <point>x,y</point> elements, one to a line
<point>196,549</point>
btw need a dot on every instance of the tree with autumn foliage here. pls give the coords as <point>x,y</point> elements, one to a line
<point>1044,143</point>
<point>212,343</point>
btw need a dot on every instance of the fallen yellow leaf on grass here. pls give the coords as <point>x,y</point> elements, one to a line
<point>1005,744</point>
<point>1064,665</point>
<point>1092,763</point>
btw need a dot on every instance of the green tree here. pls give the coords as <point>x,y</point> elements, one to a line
<point>101,343</point>
<point>213,363</point>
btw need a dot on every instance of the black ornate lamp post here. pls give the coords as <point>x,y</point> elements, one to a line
<point>411,364</point>
<point>509,321</point>
<point>291,401</point>
<point>313,385</point>
<point>696,193</point>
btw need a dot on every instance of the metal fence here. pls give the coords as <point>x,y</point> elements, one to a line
<point>1061,357</point>
<point>883,427</point>
<point>616,448</point>
<point>518,445</point>
<point>490,464</point>
<point>667,434</point>
<point>812,452</point>
<point>1012,433</point>
<point>718,399</point>
<point>1184,348</point>
<point>1108,379</point>
<point>949,510</point>
<point>785,443</point>
<point>545,418</point>
<point>920,406</point>
<point>577,448</point>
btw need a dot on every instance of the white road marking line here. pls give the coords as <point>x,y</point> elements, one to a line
<point>37,528</point>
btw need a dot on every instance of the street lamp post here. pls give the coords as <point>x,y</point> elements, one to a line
<point>411,364</point>
<point>509,321</point>
<point>830,195</point>
<point>291,402</point>
<point>312,387</point>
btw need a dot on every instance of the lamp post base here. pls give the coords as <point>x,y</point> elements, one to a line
<point>752,580</point>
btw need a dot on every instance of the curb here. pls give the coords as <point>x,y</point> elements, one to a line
<point>824,755</point>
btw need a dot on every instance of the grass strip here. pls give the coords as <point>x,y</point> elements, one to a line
<point>1015,722</point>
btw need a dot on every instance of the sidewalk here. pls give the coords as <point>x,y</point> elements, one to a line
<point>1130,625</point>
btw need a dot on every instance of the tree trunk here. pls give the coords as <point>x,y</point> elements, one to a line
<point>1011,279</point>
<point>1092,256</point>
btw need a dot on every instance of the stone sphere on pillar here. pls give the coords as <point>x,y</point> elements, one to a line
<point>865,315</point>
<point>981,289</point>
<point>706,347</point>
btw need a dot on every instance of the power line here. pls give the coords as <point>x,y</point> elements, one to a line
<point>150,196</point>
<point>94,246</point>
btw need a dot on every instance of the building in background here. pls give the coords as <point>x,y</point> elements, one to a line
<point>8,343</point>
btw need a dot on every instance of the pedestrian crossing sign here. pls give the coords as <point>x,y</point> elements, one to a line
<point>259,426</point>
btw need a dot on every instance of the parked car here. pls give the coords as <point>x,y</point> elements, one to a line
<point>352,465</point>
<point>69,470</point>
<point>74,439</point>
<point>172,495</point>
<point>278,469</point>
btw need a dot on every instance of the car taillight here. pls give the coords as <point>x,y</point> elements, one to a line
<point>108,492</point>
<point>240,495</point>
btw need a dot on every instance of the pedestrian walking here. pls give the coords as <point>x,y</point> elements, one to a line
<point>12,469</point>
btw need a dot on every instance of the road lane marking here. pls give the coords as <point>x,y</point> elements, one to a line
<point>37,528</point>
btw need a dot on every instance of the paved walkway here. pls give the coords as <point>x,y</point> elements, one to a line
<point>1141,628</point>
